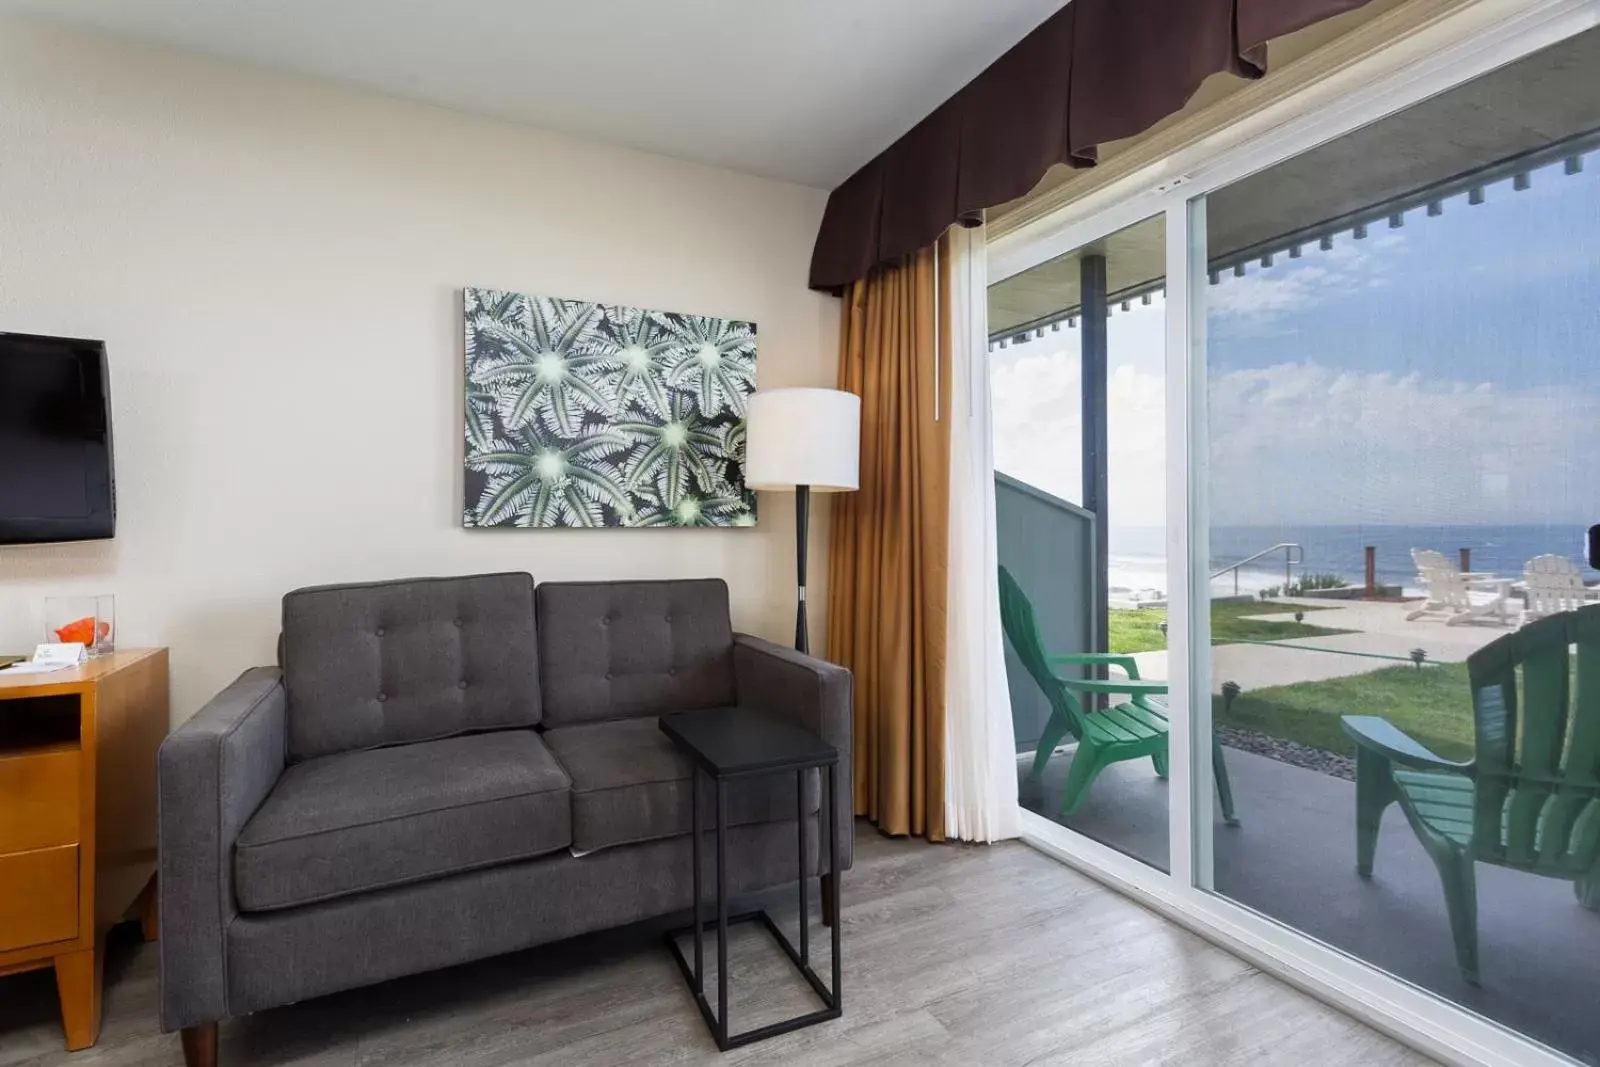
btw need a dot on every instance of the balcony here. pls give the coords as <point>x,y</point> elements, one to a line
<point>1293,856</point>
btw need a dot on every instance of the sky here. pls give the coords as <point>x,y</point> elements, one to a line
<point>1444,372</point>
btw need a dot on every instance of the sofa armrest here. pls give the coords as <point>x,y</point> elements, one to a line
<point>212,774</point>
<point>817,695</point>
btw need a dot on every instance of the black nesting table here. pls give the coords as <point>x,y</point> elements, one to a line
<point>725,745</point>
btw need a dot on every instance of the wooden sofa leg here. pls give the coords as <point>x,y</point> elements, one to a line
<point>830,899</point>
<point>200,1045</point>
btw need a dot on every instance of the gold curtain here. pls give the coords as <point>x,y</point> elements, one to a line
<point>888,550</point>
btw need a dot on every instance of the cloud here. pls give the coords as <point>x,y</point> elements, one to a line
<point>1308,443</point>
<point>1038,427</point>
<point>1260,302</point>
<point>1305,443</point>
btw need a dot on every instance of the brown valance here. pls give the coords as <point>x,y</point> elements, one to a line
<point>1095,71</point>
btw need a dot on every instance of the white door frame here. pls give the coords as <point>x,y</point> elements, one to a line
<point>1480,37</point>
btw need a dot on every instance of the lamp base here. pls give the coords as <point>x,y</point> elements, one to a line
<point>802,522</point>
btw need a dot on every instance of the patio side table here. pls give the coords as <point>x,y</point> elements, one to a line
<point>727,745</point>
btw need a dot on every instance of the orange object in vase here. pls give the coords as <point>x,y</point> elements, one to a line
<point>83,630</point>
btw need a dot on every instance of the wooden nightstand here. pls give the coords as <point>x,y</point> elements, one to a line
<point>78,819</point>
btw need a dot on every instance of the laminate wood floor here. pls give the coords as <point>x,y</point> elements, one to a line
<point>954,955</point>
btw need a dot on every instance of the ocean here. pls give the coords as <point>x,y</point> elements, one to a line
<point>1138,557</point>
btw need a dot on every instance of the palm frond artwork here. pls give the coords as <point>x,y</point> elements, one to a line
<point>580,414</point>
<point>698,510</point>
<point>677,455</point>
<point>530,481</point>
<point>541,359</point>
<point>642,356</point>
<point>715,359</point>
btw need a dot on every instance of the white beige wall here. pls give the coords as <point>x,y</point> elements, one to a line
<point>275,266</point>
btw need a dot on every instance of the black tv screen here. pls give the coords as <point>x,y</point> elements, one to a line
<point>55,440</point>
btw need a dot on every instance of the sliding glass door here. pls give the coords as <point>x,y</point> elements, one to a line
<point>1077,356</point>
<point>1401,342</point>
<point>1295,438</point>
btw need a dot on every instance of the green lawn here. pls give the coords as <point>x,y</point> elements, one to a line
<point>1136,630</point>
<point>1433,705</point>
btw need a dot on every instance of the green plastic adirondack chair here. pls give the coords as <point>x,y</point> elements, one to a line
<point>1517,803</point>
<point>1123,731</point>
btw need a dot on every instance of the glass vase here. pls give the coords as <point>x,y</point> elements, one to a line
<point>87,619</point>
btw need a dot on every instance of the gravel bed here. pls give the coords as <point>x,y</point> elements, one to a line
<point>1312,759</point>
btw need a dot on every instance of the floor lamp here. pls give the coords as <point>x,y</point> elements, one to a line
<point>804,440</point>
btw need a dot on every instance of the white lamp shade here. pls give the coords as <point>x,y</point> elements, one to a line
<point>803,437</point>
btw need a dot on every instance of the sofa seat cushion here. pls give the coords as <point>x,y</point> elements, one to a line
<point>630,784</point>
<point>340,825</point>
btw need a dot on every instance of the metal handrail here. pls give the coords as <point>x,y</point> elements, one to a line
<point>1293,555</point>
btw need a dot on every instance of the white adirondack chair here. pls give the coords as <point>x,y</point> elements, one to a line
<point>1458,597</point>
<point>1554,584</point>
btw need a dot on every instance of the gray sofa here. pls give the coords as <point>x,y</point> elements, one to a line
<point>443,769</point>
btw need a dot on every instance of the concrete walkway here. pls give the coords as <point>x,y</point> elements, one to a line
<point>1380,628</point>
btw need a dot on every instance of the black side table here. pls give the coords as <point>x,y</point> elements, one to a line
<point>724,745</point>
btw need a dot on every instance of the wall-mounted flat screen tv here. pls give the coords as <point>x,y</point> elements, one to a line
<point>55,441</point>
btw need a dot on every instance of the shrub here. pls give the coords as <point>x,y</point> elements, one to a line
<point>1304,585</point>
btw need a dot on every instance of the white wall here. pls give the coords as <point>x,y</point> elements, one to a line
<point>275,265</point>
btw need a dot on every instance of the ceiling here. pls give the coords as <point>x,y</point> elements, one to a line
<point>1545,98</point>
<point>800,90</point>
<point>1134,256</point>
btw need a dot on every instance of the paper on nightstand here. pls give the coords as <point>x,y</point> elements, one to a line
<point>51,657</point>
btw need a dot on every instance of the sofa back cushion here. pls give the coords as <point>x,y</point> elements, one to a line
<point>388,663</point>
<point>617,650</point>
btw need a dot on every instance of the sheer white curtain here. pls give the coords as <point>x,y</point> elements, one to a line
<point>980,747</point>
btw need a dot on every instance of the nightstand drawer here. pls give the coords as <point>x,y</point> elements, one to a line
<point>39,799</point>
<point>38,897</point>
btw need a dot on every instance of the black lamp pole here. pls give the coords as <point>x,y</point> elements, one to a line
<point>802,522</point>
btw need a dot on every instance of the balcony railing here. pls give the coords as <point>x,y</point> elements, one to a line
<point>1048,544</point>
<point>1293,556</point>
